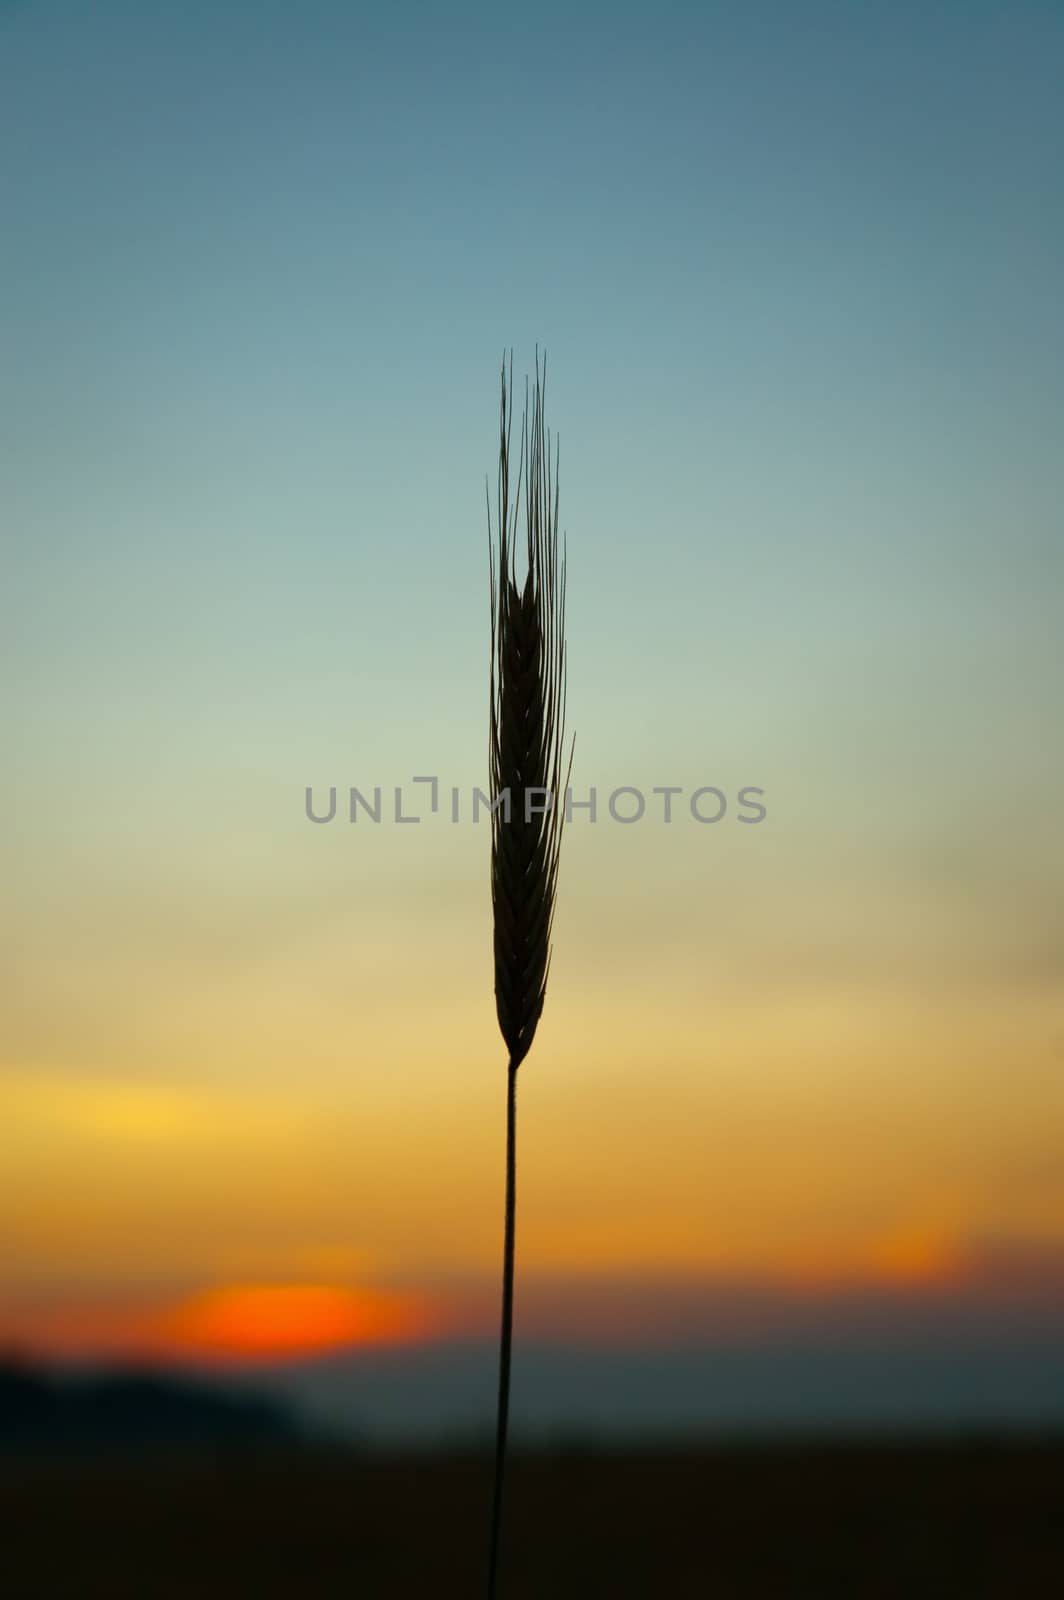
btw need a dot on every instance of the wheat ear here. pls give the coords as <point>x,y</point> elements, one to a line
<point>527,722</point>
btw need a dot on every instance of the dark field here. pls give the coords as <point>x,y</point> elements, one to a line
<point>717,1521</point>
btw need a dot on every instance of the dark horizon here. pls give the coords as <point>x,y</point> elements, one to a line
<point>285,1515</point>
<point>441,1393</point>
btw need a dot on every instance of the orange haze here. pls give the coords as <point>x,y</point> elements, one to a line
<point>237,1324</point>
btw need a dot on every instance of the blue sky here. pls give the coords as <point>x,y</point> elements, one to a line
<point>796,269</point>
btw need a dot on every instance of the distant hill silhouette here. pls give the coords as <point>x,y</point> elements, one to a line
<point>45,1411</point>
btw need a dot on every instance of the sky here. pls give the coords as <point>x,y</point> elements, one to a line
<point>796,272</point>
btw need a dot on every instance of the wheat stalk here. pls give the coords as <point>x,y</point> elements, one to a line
<point>527,722</point>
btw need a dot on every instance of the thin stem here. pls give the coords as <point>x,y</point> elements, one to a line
<point>506,1335</point>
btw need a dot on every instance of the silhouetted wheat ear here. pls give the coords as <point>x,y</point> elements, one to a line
<point>527,726</point>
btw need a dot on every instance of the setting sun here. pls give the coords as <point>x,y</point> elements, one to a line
<point>274,1322</point>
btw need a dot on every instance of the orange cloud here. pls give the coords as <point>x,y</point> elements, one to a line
<point>913,1272</point>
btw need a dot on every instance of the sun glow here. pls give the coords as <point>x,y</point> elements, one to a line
<point>275,1322</point>
<point>229,1325</point>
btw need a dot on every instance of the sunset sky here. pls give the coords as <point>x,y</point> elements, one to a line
<point>797,272</point>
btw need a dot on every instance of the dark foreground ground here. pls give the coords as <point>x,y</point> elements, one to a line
<point>713,1522</point>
